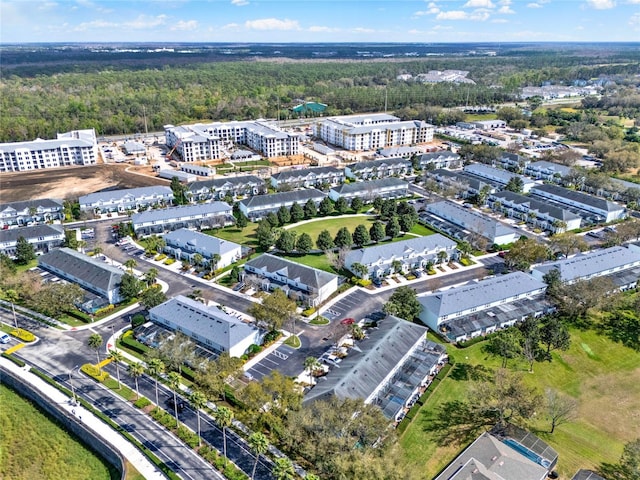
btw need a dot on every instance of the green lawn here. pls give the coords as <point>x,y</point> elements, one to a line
<point>602,375</point>
<point>332,224</point>
<point>243,236</point>
<point>33,446</point>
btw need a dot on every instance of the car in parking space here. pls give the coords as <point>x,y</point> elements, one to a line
<point>347,321</point>
<point>377,282</point>
<point>239,286</point>
<point>172,404</point>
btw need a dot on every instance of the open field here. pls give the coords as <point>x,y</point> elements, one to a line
<point>332,224</point>
<point>71,182</point>
<point>602,375</point>
<point>33,446</point>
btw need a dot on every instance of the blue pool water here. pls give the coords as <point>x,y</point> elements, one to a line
<point>521,449</point>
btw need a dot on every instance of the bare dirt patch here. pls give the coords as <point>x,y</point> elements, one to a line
<point>72,182</point>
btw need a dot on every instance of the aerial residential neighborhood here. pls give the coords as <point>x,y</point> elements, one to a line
<point>313,260</point>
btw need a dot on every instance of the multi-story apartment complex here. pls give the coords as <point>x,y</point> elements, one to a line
<point>186,244</point>
<point>42,237</point>
<point>31,212</point>
<point>371,132</point>
<point>78,147</point>
<point>385,167</point>
<point>189,216</point>
<point>217,189</point>
<point>212,140</point>
<point>308,177</point>
<point>259,206</point>
<point>368,190</point>
<point>126,199</point>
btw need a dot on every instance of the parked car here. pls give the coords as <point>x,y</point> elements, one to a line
<point>180,406</point>
<point>239,286</point>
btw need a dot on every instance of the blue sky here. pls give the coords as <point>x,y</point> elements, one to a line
<point>319,21</point>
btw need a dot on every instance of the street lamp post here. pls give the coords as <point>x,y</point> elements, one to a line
<point>73,392</point>
<point>115,340</point>
<point>15,319</point>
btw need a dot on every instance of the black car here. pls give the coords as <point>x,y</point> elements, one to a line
<point>171,403</point>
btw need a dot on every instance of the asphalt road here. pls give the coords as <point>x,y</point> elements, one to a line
<point>59,354</point>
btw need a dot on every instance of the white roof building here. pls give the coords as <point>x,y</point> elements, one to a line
<point>188,216</point>
<point>184,243</point>
<point>128,198</point>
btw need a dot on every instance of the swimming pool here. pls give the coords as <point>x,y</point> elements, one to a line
<point>521,449</point>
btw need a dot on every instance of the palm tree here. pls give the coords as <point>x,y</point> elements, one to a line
<point>198,401</point>
<point>259,445</point>
<point>198,259</point>
<point>95,342</point>
<point>442,256</point>
<point>396,266</point>
<point>97,250</point>
<point>150,276</point>
<point>310,364</point>
<point>116,357</point>
<point>283,469</point>
<point>155,368</point>
<point>215,258</point>
<point>224,418</point>
<point>174,384</point>
<point>135,371</point>
<point>130,265</point>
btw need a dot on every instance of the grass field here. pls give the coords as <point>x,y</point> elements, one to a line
<point>243,236</point>
<point>603,376</point>
<point>33,446</point>
<point>332,224</point>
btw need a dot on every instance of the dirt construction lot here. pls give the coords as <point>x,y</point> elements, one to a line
<point>72,182</point>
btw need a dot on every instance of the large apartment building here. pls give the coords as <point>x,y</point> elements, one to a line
<point>371,132</point>
<point>212,141</point>
<point>78,147</point>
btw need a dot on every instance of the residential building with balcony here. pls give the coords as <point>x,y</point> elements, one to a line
<point>498,175</point>
<point>599,209</point>
<point>205,215</point>
<point>307,284</point>
<point>218,188</point>
<point>308,177</point>
<point>31,212</point>
<point>259,206</point>
<point>126,199</point>
<point>185,244</point>
<point>368,190</point>
<point>383,168</point>
<point>43,238</point>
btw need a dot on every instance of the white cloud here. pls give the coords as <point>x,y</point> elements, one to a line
<point>363,30</point>
<point>478,4</point>
<point>272,24</point>
<point>505,2</point>
<point>506,10</point>
<point>93,25</point>
<point>318,28</point>
<point>634,21</point>
<point>231,26</point>
<point>145,21</point>
<point>239,3</point>
<point>601,4</point>
<point>480,16</point>
<point>47,6</point>
<point>499,20</point>
<point>534,5</point>
<point>633,2</point>
<point>184,26</point>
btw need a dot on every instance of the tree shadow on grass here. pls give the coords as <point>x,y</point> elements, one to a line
<point>454,422</point>
<point>464,372</point>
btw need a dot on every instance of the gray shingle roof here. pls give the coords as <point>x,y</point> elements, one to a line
<point>182,212</point>
<point>538,205</point>
<point>563,170</point>
<point>115,195</point>
<point>94,272</point>
<point>470,220</point>
<point>34,231</point>
<point>364,369</point>
<point>579,197</point>
<point>369,255</point>
<point>208,243</point>
<point>489,458</point>
<point>369,186</point>
<point>299,196</point>
<point>474,182</point>
<point>591,263</point>
<point>293,271</point>
<point>46,203</point>
<point>373,164</point>
<point>503,176</point>
<point>227,181</point>
<point>207,322</point>
<point>477,294</point>
<point>306,171</point>
<point>586,475</point>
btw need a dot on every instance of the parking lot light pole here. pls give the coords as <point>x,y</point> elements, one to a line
<point>73,392</point>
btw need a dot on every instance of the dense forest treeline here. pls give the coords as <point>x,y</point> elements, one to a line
<point>116,100</point>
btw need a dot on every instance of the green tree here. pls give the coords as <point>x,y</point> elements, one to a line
<point>359,269</point>
<point>116,357</point>
<point>361,236</point>
<point>284,216</point>
<point>198,259</point>
<point>223,416</point>
<point>259,445</point>
<point>388,209</point>
<point>628,468</point>
<point>326,207</point>
<point>304,243</point>
<point>286,242</point>
<point>264,235</point>
<point>135,371</point>
<point>241,220</point>
<point>179,192</point>
<point>198,401</point>
<point>356,204</point>
<point>296,213</point>
<point>396,266</point>
<point>310,209</point>
<point>554,334</point>
<point>152,297</point>
<point>403,303</point>
<point>377,232</point>
<point>24,251</point>
<point>274,310</point>
<point>525,252</point>
<point>283,469</point>
<point>176,350</point>
<point>506,344</point>
<point>341,205</point>
<point>377,204</point>
<point>95,342</point>
<point>515,184</point>
<point>324,241</point>
<point>173,380</point>
<point>155,368</point>
<point>272,218</point>
<point>560,408</point>
<point>393,227</point>
<point>343,238</point>
<point>150,276</point>
<point>130,264</point>
<point>406,222</point>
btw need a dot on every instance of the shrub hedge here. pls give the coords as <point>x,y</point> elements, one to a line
<point>142,402</point>
<point>15,360</point>
<point>24,335</point>
<point>94,372</point>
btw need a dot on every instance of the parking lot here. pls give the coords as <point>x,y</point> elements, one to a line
<point>355,305</point>
<point>282,359</point>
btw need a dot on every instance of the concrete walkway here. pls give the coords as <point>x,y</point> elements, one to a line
<point>147,469</point>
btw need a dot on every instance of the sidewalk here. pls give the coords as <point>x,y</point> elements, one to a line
<point>90,421</point>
